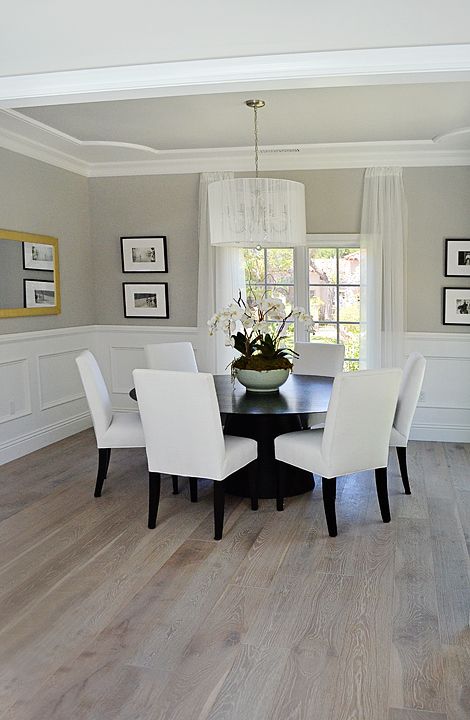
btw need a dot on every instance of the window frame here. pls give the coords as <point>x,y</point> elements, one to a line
<point>301,288</point>
<point>301,274</point>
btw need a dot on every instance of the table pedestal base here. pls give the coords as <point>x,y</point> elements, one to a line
<point>263,429</point>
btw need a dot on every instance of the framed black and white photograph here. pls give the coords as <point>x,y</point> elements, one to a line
<point>457,258</point>
<point>37,256</point>
<point>457,306</point>
<point>144,254</point>
<point>39,294</point>
<point>146,300</point>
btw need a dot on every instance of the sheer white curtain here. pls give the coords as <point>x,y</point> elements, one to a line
<point>383,239</point>
<point>220,277</point>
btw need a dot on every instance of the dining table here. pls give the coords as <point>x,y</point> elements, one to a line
<point>265,415</point>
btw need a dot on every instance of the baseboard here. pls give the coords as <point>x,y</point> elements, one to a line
<point>37,439</point>
<point>440,433</point>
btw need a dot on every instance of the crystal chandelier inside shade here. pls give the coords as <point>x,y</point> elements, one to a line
<point>247,212</point>
<point>251,212</point>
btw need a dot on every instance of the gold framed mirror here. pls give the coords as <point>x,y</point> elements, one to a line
<point>29,274</point>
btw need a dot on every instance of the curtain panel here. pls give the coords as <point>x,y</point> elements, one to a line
<point>220,277</point>
<point>383,240</point>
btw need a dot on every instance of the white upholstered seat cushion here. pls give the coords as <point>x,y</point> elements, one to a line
<point>125,431</point>
<point>302,449</point>
<point>239,451</point>
<point>397,439</point>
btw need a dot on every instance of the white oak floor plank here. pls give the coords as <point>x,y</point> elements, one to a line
<point>416,670</point>
<point>103,619</point>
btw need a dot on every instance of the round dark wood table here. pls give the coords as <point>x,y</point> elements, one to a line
<point>264,416</point>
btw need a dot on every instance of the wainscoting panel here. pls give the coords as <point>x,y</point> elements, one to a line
<point>15,398</point>
<point>443,412</point>
<point>121,350</point>
<point>41,397</point>
<point>59,381</point>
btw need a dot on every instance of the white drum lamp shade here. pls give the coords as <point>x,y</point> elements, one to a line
<point>251,212</point>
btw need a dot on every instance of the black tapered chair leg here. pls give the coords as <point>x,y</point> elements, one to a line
<point>401,453</point>
<point>219,503</point>
<point>154,498</point>
<point>280,471</point>
<point>193,489</point>
<point>382,493</point>
<point>253,480</point>
<point>175,484</point>
<point>329,500</point>
<point>108,458</point>
<point>103,461</point>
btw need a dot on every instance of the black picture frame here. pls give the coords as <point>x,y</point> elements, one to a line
<point>457,257</point>
<point>144,254</point>
<point>45,265</point>
<point>452,300</point>
<point>152,303</point>
<point>28,287</point>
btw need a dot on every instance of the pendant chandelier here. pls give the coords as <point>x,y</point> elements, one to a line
<point>257,212</point>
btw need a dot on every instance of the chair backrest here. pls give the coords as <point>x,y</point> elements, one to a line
<point>96,392</point>
<point>408,396</point>
<point>181,420</point>
<point>317,358</point>
<point>359,420</point>
<point>171,356</point>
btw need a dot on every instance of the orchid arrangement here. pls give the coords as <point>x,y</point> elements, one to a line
<point>257,330</point>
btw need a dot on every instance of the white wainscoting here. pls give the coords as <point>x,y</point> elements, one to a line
<point>42,401</point>
<point>41,397</point>
<point>120,350</point>
<point>443,412</point>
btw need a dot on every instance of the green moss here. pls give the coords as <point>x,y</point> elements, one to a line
<point>258,362</point>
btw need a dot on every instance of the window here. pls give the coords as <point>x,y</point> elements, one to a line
<point>334,298</point>
<point>272,270</point>
<point>324,278</point>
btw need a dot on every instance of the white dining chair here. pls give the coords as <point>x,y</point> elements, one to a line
<point>178,356</point>
<point>171,356</point>
<point>408,396</point>
<point>183,436</point>
<point>355,438</point>
<point>323,359</point>
<point>316,358</point>
<point>112,429</point>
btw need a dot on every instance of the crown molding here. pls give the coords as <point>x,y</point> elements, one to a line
<point>421,153</point>
<point>438,63</point>
<point>32,138</point>
<point>39,151</point>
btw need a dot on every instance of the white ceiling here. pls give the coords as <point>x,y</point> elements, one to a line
<point>291,117</point>
<point>53,35</point>
<point>346,84</point>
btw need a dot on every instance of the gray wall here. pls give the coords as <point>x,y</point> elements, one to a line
<point>39,198</point>
<point>438,208</point>
<point>149,205</point>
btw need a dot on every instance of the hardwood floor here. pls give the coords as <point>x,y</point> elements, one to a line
<point>101,618</point>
